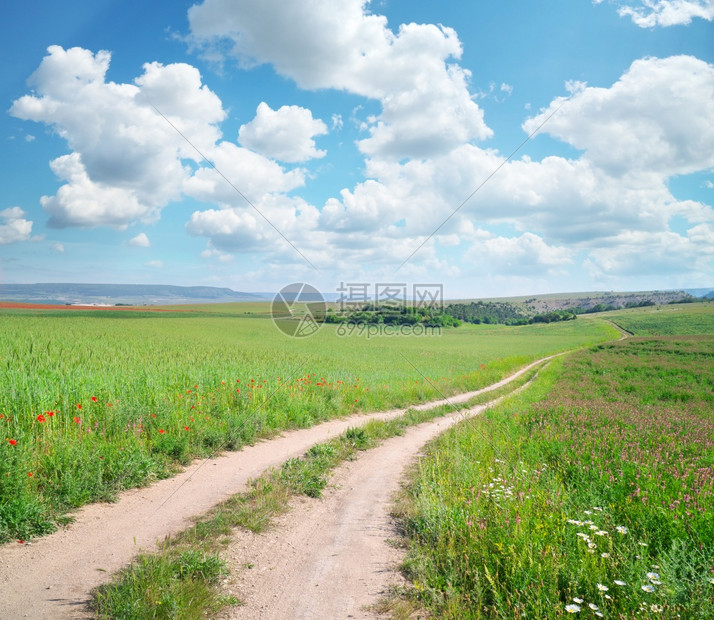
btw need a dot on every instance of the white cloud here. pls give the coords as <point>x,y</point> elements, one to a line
<point>235,229</point>
<point>658,117</point>
<point>126,160</point>
<point>58,247</point>
<point>286,134</point>
<point>85,203</point>
<point>637,253</point>
<point>252,174</point>
<point>523,255</point>
<point>13,226</point>
<point>651,13</point>
<point>140,241</point>
<point>211,252</point>
<point>154,264</point>
<point>426,105</point>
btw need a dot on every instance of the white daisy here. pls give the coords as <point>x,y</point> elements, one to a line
<point>572,609</point>
<point>648,588</point>
<point>602,588</point>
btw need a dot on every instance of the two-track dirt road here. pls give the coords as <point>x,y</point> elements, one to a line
<point>338,539</point>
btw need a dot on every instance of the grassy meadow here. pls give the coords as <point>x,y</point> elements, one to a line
<point>93,402</point>
<point>590,494</point>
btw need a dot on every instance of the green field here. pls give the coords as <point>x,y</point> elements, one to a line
<point>93,402</point>
<point>592,493</point>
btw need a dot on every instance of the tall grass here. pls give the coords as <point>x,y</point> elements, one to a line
<point>590,494</point>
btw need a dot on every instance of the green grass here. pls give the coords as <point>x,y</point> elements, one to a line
<point>94,402</point>
<point>667,320</point>
<point>610,452</point>
<point>153,587</point>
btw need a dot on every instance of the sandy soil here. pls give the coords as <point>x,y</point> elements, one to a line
<point>52,577</point>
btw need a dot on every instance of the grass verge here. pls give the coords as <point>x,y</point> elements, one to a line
<point>155,585</point>
<point>589,494</point>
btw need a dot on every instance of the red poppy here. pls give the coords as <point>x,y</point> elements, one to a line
<point>41,418</point>
<point>109,405</point>
<point>79,406</point>
<point>12,442</point>
<point>186,428</point>
<point>22,542</point>
<point>153,415</point>
<point>94,399</point>
<point>50,413</point>
<point>30,474</point>
<point>161,431</point>
<point>77,420</point>
<point>237,390</point>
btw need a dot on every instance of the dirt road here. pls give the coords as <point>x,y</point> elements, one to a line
<point>52,577</point>
<point>331,558</point>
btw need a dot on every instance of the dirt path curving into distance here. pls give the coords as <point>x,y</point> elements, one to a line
<point>52,577</point>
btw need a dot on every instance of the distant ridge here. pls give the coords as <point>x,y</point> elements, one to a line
<point>112,294</point>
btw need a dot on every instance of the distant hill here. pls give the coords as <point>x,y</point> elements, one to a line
<point>562,306</point>
<point>707,293</point>
<point>112,294</point>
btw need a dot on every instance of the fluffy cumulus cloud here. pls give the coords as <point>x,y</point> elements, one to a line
<point>413,73</point>
<point>13,226</point>
<point>651,13</point>
<point>241,169</point>
<point>657,117</point>
<point>126,160</point>
<point>287,134</point>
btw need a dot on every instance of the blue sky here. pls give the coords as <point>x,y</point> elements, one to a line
<point>353,131</point>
